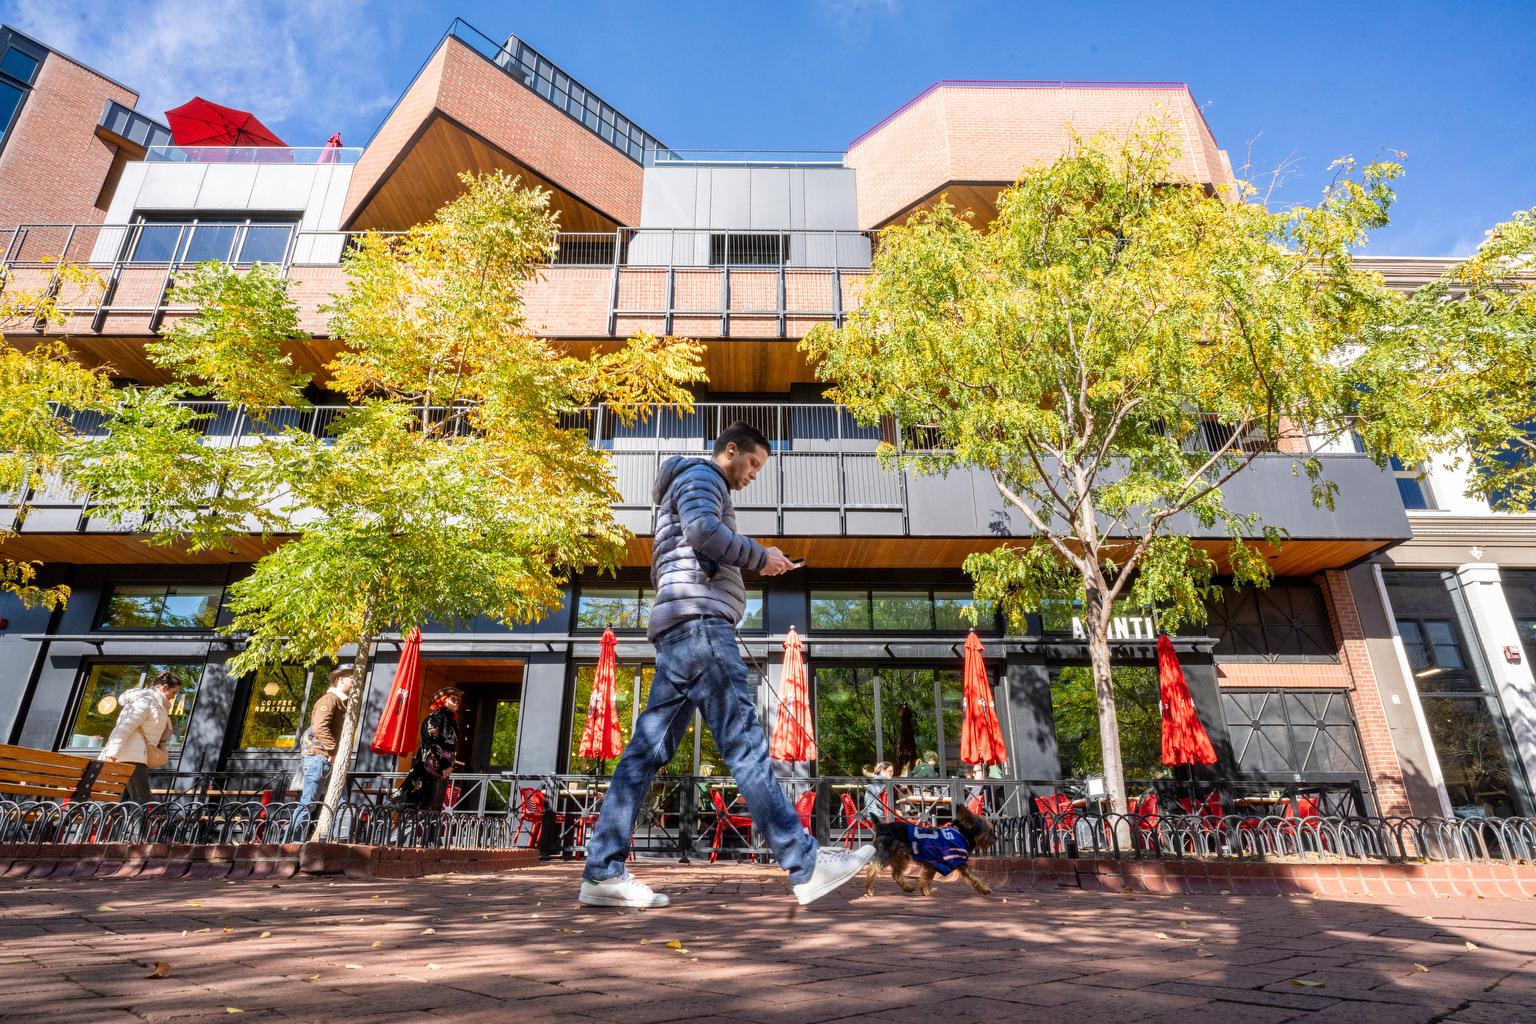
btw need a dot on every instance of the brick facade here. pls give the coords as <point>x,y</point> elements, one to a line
<point>53,166</point>
<point>1375,736</point>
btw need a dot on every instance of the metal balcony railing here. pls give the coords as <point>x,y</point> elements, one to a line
<point>252,154</point>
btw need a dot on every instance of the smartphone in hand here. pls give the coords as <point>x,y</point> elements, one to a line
<point>797,563</point>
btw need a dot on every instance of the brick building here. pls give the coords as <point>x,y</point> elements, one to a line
<point>1317,685</point>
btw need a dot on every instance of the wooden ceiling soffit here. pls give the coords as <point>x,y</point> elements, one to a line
<point>1295,558</point>
<point>976,197</point>
<point>426,175</point>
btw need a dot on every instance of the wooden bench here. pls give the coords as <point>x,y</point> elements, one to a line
<point>44,774</point>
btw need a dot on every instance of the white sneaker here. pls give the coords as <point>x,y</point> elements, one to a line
<point>620,891</point>
<point>834,866</point>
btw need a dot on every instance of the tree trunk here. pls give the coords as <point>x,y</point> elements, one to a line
<point>1097,615</point>
<point>337,786</point>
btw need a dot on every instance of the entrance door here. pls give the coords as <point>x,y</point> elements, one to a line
<point>490,726</point>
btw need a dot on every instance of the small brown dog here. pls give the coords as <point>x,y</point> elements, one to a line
<point>939,851</point>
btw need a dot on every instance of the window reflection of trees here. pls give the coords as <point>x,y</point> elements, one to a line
<point>1074,706</point>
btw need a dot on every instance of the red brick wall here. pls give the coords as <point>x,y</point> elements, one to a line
<point>990,132</point>
<point>1375,736</point>
<point>53,165</point>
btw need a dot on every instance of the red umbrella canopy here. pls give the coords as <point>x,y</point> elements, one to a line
<point>1184,738</point>
<point>794,737</point>
<point>397,725</point>
<point>600,737</point>
<point>981,737</point>
<point>201,123</point>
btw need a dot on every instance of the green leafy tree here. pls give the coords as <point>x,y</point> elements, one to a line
<point>1118,346</point>
<point>453,485</point>
<point>36,385</point>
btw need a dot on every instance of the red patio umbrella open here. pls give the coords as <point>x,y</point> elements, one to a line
<point>1184,738</point>
<point>397,731</point>
<point>199,122</point>
<point>981,737</point>
<point>794,737</point>
<point>600,739</point>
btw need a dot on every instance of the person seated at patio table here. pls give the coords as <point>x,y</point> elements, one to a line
<point>928,766</point>
<point>875,806</point>
<point>976,795</point>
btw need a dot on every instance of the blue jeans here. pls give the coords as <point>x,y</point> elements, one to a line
<point>316,767</point>
<point>699,666</point>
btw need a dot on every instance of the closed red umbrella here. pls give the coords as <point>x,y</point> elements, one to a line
<point>981,737</point>
<point>600,739</point>
<point>199,122</point>
<point>794,738</point>
<point>332,144</point>
<point>397,731</point>
<point>1184,738</point>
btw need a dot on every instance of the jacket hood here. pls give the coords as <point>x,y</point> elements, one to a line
<point>674,468</point>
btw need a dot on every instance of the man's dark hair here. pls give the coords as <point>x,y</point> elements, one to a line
<point>166,679</point>
<point>744,435</point>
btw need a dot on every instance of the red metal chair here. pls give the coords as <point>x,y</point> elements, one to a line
<point>1144,813</point>
<point>805,805</point>
<point>531,803</point>
<point>856,823</point>
<point>724,819</point>
<point>1305,816</point>
<point>1060,817</point>
<point>977,804</point>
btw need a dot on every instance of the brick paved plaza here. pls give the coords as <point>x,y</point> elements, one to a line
<point>517,947</point>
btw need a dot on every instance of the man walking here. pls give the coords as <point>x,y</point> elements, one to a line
<point>696,562</point>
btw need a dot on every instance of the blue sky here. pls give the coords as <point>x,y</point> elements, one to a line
<point>1452,84</point>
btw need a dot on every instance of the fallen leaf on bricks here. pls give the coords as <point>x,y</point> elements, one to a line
<point>1420,968</point>
<point>1163,936</point>
<point>674,943</point>
<point>313,977</point>
<point>227,931</point>
<point>434,967</point>
<point>233,1009</point>
<point>1471,945</point>
<point>376,943</point>
<point>202,931</point>
<point>429,931</point>
<point>645,942</point>
<point>264,935</point>
<point>162,970</point>
<point>106,908</point>
<point>1305,983</point>
<point>353,967</point>
<point>194,903</point>
<point>1201,951</point>
<point>535,915</point>
<point>1426,917</point>
<point>1224,892</point>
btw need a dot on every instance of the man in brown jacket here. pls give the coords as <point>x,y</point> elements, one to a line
<point>324,733</point>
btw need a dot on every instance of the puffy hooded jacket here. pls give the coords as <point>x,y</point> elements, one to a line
<point>696,554</point>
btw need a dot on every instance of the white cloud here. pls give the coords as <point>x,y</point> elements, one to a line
<point>300,63</point>
<point>852,17</point>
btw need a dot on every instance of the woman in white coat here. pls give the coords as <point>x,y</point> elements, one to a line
<point>142,731</point>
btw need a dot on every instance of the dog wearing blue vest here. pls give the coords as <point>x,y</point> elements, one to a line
<point>942,851</point>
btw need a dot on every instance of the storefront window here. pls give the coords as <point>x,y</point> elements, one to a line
<point>1282,622</point>
<point>277,709</point>
<point>105,684</point>
<point>1291,732</point>
<point>629,608</point>
<point>1466,722</point>
<point>891,611</point>
<point>859,716</point>
<point>1075,709</point>
<point>162,606</point>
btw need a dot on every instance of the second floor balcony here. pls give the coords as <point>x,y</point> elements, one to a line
<point>692,282</point>
<point>825,480</point>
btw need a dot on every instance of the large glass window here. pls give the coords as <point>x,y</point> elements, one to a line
<point>1465,719</point>
<point>162,606</point>
<point>173,239</point>
<point>629,608</point>
<point>19,61</point>
<point>836,610</point>
<point>867,714</point>
<point>105,684</point>
<point>1286,732</point>
<point>1075,709</point>
<point>10,102</point>
<point>632,688</point>
<point>277,709</point>
<point>1282,622</point>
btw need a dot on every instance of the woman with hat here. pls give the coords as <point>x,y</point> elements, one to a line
<point>432,766</point>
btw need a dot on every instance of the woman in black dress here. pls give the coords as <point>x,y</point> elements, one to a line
<point>432,766</point>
